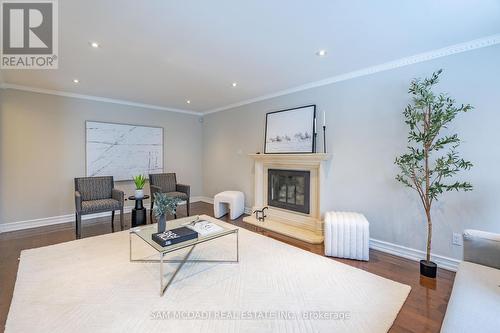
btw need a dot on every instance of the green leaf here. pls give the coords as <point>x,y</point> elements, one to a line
<point>428,117</point>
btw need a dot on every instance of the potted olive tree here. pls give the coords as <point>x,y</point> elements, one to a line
<point>432,159</point>
<point>164,205</point>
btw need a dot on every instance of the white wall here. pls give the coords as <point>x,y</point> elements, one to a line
<point>365,133</point>
<point>42,148</point>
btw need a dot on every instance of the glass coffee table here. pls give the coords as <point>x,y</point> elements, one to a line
<point>143,234</point>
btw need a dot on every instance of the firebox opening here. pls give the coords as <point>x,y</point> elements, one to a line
<point>289,189</point>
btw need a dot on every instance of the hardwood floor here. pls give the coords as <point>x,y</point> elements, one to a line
<point>423,311</point>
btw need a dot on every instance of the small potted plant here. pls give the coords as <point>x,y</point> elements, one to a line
<point>139,181</point>
<point>164,205</point>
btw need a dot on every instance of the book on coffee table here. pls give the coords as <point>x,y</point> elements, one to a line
<point>174,236</point>
<point>204,227</point>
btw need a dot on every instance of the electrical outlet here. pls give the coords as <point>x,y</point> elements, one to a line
<point>457,239</point>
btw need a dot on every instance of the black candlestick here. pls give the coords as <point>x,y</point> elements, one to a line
<point>315,145</point>
<point>324,139</point>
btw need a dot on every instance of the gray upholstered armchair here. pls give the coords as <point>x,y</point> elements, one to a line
<point>97,195</point>
<point>167,183</point>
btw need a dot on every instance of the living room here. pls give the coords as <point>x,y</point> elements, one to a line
<point>249,166</point>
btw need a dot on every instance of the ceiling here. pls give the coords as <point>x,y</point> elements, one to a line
<point>164,53</point>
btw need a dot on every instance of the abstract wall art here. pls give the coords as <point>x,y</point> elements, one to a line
<point>122,150</point>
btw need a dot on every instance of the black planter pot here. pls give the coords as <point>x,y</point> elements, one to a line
<point>428,268</point>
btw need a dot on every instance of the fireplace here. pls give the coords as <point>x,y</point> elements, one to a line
<point>290,185</point>
<point>288,189</point>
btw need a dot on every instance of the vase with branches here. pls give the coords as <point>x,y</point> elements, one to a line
<point>163,205</point>
<point>432,161</point>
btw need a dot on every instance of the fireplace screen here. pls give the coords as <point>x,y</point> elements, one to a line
<point>288,189</point>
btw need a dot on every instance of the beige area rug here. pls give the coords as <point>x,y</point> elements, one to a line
<point>89,285</point>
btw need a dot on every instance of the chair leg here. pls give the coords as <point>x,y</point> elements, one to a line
<point>151,212</point>
<point>121,218</point>
<point>113,221</point>
<point>78,226</point>
<point>187,207</point>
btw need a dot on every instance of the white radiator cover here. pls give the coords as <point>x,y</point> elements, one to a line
<point>347,235</point>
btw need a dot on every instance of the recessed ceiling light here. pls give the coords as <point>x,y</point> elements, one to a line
<point>95,45</point>
<point>188,101</point>
<point>321,53</point>
<point>76,81</point>
<point>234,84</point>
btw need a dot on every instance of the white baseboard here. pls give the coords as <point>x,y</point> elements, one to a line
<point>397,250</point>
<point>450,264</point>
<point>46,221</point>
<point>248,210</point>
<point>203,199</point>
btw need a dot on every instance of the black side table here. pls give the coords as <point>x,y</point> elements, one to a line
<point>138,212</point>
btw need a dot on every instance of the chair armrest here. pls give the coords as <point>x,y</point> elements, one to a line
<point>78,201</point>
<point>118,195</point>
<point>183,188</point>
<point>154,189</point>
<point>482,248</point>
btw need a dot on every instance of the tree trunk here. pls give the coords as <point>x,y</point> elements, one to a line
<point>429,234</point>
<point>427,145</point>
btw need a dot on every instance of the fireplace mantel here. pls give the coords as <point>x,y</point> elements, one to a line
<point>306,227</point>
<point>315,158</point>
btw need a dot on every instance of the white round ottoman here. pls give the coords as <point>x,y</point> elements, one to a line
<point>234,199</point>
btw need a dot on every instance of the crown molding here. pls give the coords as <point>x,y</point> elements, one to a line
<point>94,98</point>
<point>402,62</point>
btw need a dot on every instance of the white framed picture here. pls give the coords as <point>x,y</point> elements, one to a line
<point>290,131</point>
<point>123,150</point>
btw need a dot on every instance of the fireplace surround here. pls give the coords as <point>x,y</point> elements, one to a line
<point>305,225</point>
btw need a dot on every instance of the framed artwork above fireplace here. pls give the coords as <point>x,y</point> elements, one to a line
<point>291,131</point>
